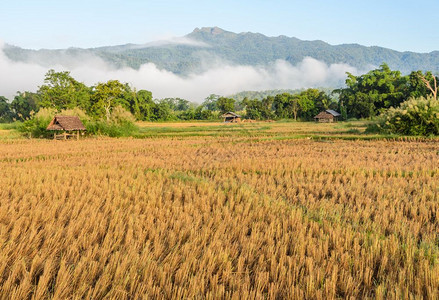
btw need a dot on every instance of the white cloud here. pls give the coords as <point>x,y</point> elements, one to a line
<point>221,78</point>
<point>172,40</point>
<point>17,76</point>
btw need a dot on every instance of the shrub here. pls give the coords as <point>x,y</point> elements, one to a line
<point>121,123</point>
<point>186,115</point>
<point>37,124</point>
<point>416,116</point>
<point>102,127</point>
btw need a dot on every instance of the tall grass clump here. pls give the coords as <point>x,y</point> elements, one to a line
<point>120,124</point>
<point>416,116</point>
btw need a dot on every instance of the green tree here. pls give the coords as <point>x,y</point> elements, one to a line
<point>203,113</point>
<point>306,105</point>
<point>312,101</point>
<point>253,108</point>
<point>343,111</point>
<point>6,114</point>
<point>24,105</point>
<point>177,104</point>
<point>225,104</point>
<point>62,91</point>
<point>188,114</point>
<point>162,112</point>
<point>108,95</point>
<point>267,107</point>
<point>286,105</point>
<point>429,81</point>
<point>146,105</point>
<point>379,89</point>
<point>211,102</point>
<point>130,97</point>
<point>417,87</point>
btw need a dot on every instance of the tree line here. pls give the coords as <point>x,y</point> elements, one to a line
<point>364,96</point>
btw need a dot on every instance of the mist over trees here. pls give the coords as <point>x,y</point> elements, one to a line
<point>364,96</point>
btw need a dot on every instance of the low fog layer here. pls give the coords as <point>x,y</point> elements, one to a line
<point>221,79</point>
<point>172,41</point>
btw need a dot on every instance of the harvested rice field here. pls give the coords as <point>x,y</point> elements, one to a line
<point>261,211</point>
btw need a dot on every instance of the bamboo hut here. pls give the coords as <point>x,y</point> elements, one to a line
<point>328,116</point>
<point>231,117</point>
<point>70,126</point>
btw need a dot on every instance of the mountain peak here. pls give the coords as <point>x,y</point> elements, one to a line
<point>211,30</point>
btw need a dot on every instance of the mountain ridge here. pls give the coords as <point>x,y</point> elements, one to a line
<point>205,46</point>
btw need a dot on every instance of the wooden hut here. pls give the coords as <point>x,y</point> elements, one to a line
<point>231,117</point>
<point>328,115</point>
<point>69,125</point>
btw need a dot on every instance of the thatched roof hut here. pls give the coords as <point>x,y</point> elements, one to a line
<point>66,123</point>
<point>328,115</point>
<point>231,117</point>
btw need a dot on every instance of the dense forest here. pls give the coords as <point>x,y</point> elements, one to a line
<point>364,96</point>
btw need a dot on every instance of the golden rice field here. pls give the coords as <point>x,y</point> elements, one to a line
<point>240,216</point>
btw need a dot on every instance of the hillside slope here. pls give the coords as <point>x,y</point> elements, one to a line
<point>211,46</point>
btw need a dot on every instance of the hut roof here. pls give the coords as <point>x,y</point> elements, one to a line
<point>66,123</point>
<point>333,112</point>
<point>230,114</point>
<point>324,115</point>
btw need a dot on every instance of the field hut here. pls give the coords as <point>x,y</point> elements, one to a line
<point>328,116</point>
<point>231,117</point>
<point>69,125</point>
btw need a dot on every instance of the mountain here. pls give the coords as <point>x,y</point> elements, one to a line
<point>209,46</point>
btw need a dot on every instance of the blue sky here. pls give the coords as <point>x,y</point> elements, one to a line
<point>400,25</point>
